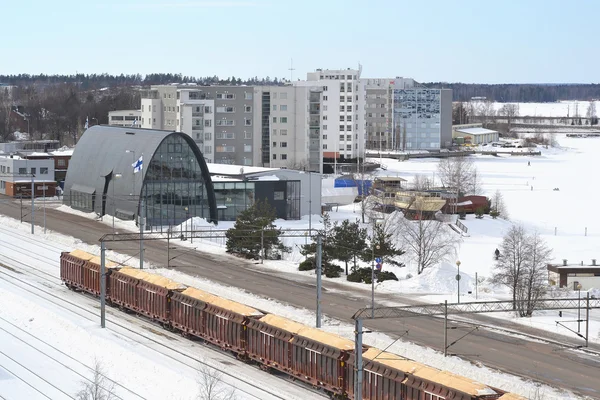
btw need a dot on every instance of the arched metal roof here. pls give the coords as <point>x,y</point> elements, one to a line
<point>101,151</point>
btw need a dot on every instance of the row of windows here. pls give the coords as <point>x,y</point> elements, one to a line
<point>282,120</point>
<point>232,96</point>
<point>281,144</point>
<point>347,118</point>
<point>342,76</point>
<point>282,107</point>
<point>348,147</point>
<point>282,132</point>
<point>225,135</point>
<point>33,171</point>
<point>281,156</point>
<point>230,122</point>
<point>227,149</point>
<point>282,95</point>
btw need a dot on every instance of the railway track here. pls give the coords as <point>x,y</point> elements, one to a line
<point>191,361</point>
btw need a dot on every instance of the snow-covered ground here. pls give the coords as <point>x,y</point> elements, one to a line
<point>543,209</point>
<point>558,109</point>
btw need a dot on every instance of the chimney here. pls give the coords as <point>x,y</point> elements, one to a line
<point>582,263</point>
<point>564,262</point>
<point>593,261</point>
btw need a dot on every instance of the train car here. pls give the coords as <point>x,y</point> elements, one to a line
<point>142,292</point>
<point>71,264</point>
<point>391,377</point>
<point>187,311</point>
<point>511,396</point>
<point>226,323</point>
<point>319,358</point>
<point>81,271</point>
<point>269,341</point>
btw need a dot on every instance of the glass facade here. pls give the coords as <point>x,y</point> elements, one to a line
<point>233,198</point>
<point>174,189</point>
<point>417,119</point>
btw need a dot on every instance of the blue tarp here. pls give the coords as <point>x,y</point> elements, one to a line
<point>363,185</point>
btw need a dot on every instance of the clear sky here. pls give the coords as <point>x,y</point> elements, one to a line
<point>482,41</point>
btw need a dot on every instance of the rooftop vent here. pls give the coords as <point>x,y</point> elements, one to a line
<point>564,262</point>
<point>593,261</point>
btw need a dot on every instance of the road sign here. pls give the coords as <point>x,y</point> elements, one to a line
<point>378,266</point>
<point>378,260</point>
<point>457,277</point>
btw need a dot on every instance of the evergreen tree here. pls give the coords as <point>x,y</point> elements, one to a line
<point>329,269</point>
<point>349,242</point>
<point>253,226</point>
<point>384,248</point>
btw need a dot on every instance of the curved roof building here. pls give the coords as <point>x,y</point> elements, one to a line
<point>173,180</point>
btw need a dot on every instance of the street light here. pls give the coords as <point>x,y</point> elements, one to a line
<point>458,279</point>
<point>186,220</point>
<point>578,287</point>
<point>132,175</point>
<point>373,279</point>
<point>114,211</point>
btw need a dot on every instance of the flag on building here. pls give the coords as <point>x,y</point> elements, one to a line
<point>86,123</point>
<point>134,122</point>
<point>137,166</point>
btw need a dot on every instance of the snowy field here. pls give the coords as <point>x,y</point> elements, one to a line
<point>557,109</point>
<point>159,372</point>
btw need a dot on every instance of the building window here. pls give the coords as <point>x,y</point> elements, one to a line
<point>348,108</point>
<point>324,117</point>
<point>324,88</point>
<point>208,149</point>
<point>283,120</point>
<point>283,107</point>
<point>283,132</point>
<point>283,95</point>
<point>349,128</point>
<point>165,108</point>
<point>341,138</point>
<point>207,136</point>
<point>153,120</point>
<point>247,109</point>
<point>325,97</point>
<point>247,135</point>
<point>208,123</point>
<point>274,144</point>
<point>274,156</point>
<point>274,120</point>
<point>324,137</point>
<point>342,128</point>
<point>284,156</point>
<point>33,171</point>
<point>324,147</point>
<point>226,96</point>
<point>274,132</point>
<point>225,122</point>
<point>207,110</point>
<point>348,147</point>
<point>348,117</point>
<point>342,118</point>
<point>248,121</point>
<point>348,137</point>
<point>225,135</point>
<point>22,171</point>
<point>283,144</point>
<point>274,107</point>
<point>225,149</point>
<point>342,99</point>
<point>247,161</point>
<point>341,87</point>
<point>324,127</point>
<point>247,148</point>
<point>247,96</point>
<point>274,95</point>
<point>226,109</point>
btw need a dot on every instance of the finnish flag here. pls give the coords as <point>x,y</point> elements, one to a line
<point>134,123</point>
<point>137,166</point>
<point>86,123</point>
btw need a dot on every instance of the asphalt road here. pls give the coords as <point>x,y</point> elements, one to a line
<point>552,364</point>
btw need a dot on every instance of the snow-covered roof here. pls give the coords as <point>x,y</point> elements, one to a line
<point>227,169</point>
<point>476,131</point>
<point>217,178</point>
<point>38,154</point>
<point>266,178</point>
<point>63,152</point>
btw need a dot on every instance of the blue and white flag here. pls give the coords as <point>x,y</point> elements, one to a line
<point>137,166</point>
<point>134,122</point>
<point>86,123</point>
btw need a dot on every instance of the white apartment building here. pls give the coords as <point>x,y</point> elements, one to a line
<point>124,117</point>
<point>342,111</point>
<point>288,127</point>
<point>16,172</point>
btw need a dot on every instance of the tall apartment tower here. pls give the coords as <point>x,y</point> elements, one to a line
<point>342,111</point>
<point>220,119</point>
<point>289,127</point>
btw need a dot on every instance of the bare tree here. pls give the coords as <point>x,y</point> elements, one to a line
<point>532,286</point>
<point>427,242</point>
<point>498,205</point>
<point>99,387</point>
<point>422,182</point>
<point>510,111</point>
<point>591,113</point>
<point>460,174</point>
<point>511,264</point>
<point>211,386</point>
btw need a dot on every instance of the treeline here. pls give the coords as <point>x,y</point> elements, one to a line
<point>98,81</point>
<point>59,113</point>
<point>521,93</point>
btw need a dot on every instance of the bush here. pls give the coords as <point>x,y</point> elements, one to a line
<point>331,270</point>
<point>354,277</point>
<point>360,275</point>
<point>386,276</point>
<point>308,265</point>
<point>479,212</point>
<point>494,214</point>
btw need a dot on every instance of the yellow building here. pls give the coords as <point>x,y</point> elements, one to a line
<point>474,134</point>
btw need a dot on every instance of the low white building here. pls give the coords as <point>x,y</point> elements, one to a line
<point>474,134</point>
<point>125,118</point>
<point>16,175</point>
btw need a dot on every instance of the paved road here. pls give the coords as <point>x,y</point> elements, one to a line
<point>549,363</point>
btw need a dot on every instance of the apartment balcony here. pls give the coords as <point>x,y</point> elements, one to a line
<point>197,128</point>
<point>197,114</point>
<point>314,109</point>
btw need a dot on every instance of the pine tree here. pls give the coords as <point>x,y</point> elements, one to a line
<point>253,226</point>
<point>384,248</point>
<point>349,242</point>
<point>328,269</point>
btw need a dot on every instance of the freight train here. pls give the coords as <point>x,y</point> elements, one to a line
<point>320,359</point>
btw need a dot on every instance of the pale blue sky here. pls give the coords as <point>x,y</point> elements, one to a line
<point>521,41</point>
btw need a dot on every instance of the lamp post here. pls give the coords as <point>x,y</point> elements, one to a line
<point>458,279</point>
<point>114,203</point>
<point>578,287</point>
<point>132,174</point>
<point>186,220</point>
<point>373,246</point>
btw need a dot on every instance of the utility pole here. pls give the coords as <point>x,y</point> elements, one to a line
<point>445,328</point>
<point>32,203</point>
<point>319,272</point>
<point>142,234</point>
<point>102,284</point>
<point>358,367</point>
<point>44,190</point>
<point>262,245</point>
